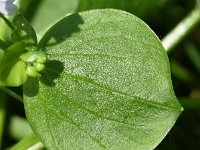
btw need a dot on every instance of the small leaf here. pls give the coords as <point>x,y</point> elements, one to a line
<point>34,56</point>
<point>107,85</point>
<point>12,69</point>
<point>24,32</point>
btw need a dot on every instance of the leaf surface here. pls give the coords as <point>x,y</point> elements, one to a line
<point>107,85</point>
<point>41,20</point>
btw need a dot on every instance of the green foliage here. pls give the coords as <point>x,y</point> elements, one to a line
<point>26,143</point>
<point>106,85</point>
<point>23,31</point>
<point>12,71</point>
<point>35,61</point>
<point>16,63</point>
<point>41,21</point>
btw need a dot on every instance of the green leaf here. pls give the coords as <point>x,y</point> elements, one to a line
<point>24,32</point>
<point>29,142</point>
<point>1,54</point>
<point>41,20</point>
<point>12,68</point>
<point>107,85</point>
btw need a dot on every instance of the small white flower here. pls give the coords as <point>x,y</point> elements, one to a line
<point>7,7</point>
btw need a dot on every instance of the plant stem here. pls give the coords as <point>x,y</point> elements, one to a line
<point>11,93</point>
<point>29,143</point>
<point>10,25</point>
<point>7,21</point>
<point>182,29</point>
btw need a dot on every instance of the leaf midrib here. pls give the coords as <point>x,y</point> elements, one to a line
<point>136,98</point>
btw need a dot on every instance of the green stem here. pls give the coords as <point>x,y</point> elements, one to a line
<point>182,29</point>
<point>31,142</point>
<point>9,24</point>
<point>7,21</point>
<point>11,93</point>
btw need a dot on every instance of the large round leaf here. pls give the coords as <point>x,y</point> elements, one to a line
<point>107,85</point>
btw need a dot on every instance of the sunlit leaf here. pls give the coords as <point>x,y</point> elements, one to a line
<point>107,85</point>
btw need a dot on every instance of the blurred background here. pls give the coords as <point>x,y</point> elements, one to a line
<point>161,16</point>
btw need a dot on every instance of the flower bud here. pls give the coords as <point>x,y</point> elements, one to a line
<point>7,7</point>
<point>32,72</point>
<point>34,56</point>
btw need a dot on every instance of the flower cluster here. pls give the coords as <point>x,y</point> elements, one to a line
<point>17,61</point>
<point>7,7</point>
<point>35,62</point>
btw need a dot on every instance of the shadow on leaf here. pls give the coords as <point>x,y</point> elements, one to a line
<point>55,35</point>
<point>61,30</point>
<point>31,87</point>
<point>53,70</point>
